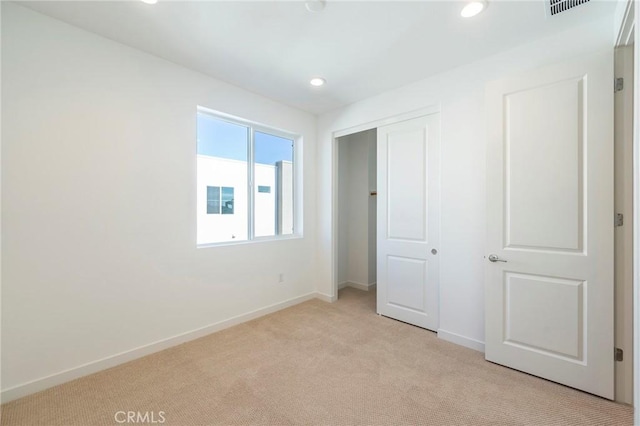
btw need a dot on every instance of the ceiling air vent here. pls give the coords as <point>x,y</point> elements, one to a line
<point>559,6</point>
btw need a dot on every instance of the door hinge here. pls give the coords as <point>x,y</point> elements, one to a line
<point>619,354</point>
<point>619,220</point>
<point>618,85</point>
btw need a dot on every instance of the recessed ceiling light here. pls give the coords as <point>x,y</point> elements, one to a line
<point>317,81</point>
<point>472,9</point>
<point>150,1</point>
<point>315,5</point>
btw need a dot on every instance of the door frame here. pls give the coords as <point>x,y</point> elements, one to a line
<point>627,34</point>
<point>335,177</point>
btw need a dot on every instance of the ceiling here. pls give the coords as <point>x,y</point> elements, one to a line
<point>361,48</point>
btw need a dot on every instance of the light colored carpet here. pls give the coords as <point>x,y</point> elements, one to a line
<point>317,363</point>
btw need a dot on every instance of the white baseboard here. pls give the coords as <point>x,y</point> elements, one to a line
<point>117,359</point>
<point>325,297</point>
<point>461,340</point>
<point>358,286</point>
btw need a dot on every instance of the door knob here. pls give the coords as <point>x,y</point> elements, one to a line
<point>494,258</point>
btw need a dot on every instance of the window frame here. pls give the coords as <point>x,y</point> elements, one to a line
<point>252,188</point>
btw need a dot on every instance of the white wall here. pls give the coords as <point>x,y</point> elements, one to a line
<point>460,96</point>
<point>358,206</point>
<point>99,205</point>
<point>356,234</point>
<point>343,210</point>
<point>372,205</point>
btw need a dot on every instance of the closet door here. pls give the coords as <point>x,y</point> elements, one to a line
<point>408,212</point>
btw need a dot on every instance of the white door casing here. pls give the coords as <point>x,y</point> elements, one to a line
<point>623,204</point>
<point>408,213</point>
<point>549,307</point>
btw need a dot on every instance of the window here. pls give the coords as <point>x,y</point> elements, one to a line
<point>227,200</point>
<point>213,200</point>
<point>216,205</point>
<point>246,180</point>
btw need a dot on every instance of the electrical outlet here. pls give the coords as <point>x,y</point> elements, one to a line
<point>281,278</point>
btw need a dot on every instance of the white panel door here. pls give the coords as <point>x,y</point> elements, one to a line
<point>408,220</point>
<point>549,269</point>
